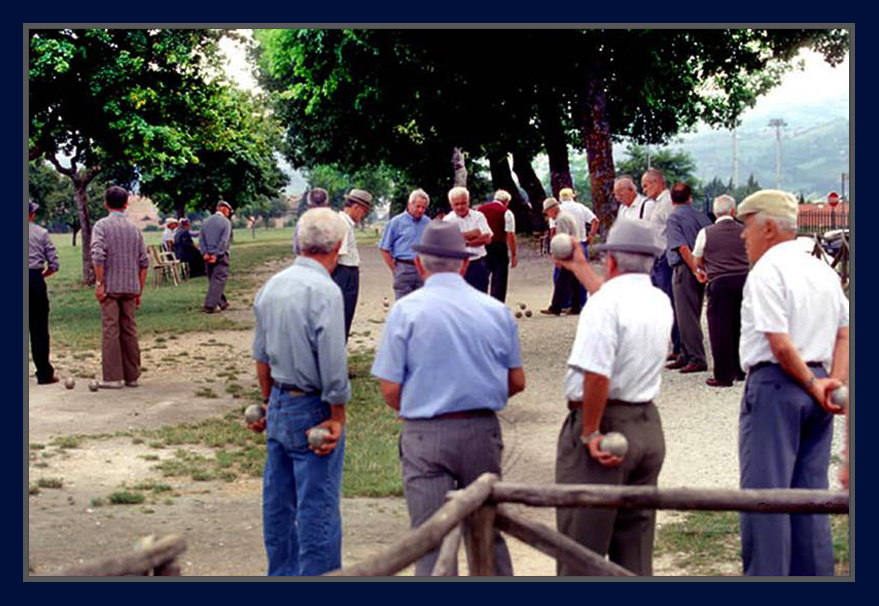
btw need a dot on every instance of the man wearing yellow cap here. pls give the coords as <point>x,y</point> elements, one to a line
<point>794,329</point>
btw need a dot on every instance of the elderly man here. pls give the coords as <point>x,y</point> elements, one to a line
<point>318,198</point>
<point>42,262</point>
<point>498,252</point>
<point>722,262</point>
<point>301,365</point>
<point>476,232</point>
<point>794,327</point>
<point>186,250</point>
<point>612,379</point>
<point>358,203</point>
<point>121,263</point>
<point>590,228</point>
<point>171,224</point>
<point>632,204</point>
<point>451,433</point>
<point>653,186</point>
<point>689,291</point>
<point>402,232</point>
<point>563,292</point>
<point>213,241</point>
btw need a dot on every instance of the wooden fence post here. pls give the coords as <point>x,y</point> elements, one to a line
<point>479,541</point>
<point>447,560</point>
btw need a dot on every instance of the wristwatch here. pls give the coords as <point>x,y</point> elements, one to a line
<point>587,439</point>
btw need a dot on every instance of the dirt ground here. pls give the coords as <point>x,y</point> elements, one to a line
<point>222,521</point>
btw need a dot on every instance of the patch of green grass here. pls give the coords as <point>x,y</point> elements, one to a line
<point>152,486</point>
<point>50,483</point>
<point>839,528</point>
<point>35,446</point>
<point>149,457</point>
<point>67,442</point>
<point>124,497</point>
<point>41,464</point>
<point>137,441</point>
<point>206,392</point>
<point>98,502</point>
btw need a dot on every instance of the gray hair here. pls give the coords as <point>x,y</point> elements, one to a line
<point>419,193</point>
<point>502,195</point>
<point>434,264</point>
<point>626,182</point>
<point>633,263</point>
<point>655,173</point>
<point>783,223</point>
<point>319,230</point>
<point>724,205</point>
<point>459,192</point>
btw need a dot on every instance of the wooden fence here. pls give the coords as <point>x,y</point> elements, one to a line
<point>150,558</point>
<point>471,515</point>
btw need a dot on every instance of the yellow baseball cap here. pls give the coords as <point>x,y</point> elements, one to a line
<point>773,202</point>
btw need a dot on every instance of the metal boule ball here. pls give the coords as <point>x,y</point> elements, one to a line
<point>253,413</point>
<point>522,306</point>
<point>562,246</point>
<point>839,395</point>
<point>518,314</point>
<point>615,443</point>
<point>528,313</point>
<point>70,383</point>
<point>317,436</point>
<point>93,386</point>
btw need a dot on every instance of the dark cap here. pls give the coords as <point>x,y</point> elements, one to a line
<point>224,203</point>
<point>442,239</point>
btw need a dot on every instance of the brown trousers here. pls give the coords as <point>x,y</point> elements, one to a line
<point>120,353</point>
<point>625,535</point>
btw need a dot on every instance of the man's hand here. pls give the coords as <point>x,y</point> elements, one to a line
<point>100,292</point>
<point>701,276</point>
<point>47,272</point>
<point>514,260</point>
<point>335,428</point>
<point>258,426</point>
<point>822,391</point>
<point>137,301</point>
<point>575,260</point>
<point>605,458</point>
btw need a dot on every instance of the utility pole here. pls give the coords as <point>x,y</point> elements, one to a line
<point>778,124</point>
<point>735,161</point>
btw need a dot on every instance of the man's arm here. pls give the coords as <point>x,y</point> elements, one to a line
<point>689,259</point>
<point>389,260</point>
<point>592,230</point>
<point>515,381</point>
<point>391,393</point>
<point>51,256</point>
<point>100,288</point>
<point>514,253</point>
<point>578,265</point>
<point>595,390</point>
<point>789,358</point>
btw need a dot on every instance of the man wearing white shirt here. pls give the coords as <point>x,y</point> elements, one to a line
<point>612,379</point>
<point>358,203</point>
<point>476,232</point>
<point>589,227</point>
<point>794,328</point>
<point>632,204</point>
<point>654,187</point>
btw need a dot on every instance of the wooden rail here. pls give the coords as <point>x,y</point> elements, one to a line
<point>156,557</point>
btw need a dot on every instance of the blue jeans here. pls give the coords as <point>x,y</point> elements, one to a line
<point>302,524</point>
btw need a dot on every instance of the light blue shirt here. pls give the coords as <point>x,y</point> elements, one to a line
<point>451,347</point>
<point>300,330</point>
<point>403,232</point>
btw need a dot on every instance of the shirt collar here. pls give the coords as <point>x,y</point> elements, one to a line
<point>118,213</point>
<point>724,218</point>
<point>444,278</point>
<point>310,263</point>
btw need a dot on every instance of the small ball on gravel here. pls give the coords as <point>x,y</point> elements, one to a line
<point>518,314</point>
<point>69,383</point>
<point>522,306</point>
<point>93,386</point>
<point>528,313</point>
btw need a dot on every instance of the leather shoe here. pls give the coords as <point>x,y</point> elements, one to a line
<point>671,357</point>
<point>212,310</point>
<point>694,368</point>
<point>712,382</point>
<point>675,364</point>
<point>549,312</point>
<point>741,377</point>
<point>55,378</point>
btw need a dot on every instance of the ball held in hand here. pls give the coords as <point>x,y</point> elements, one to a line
<point>562,246</point>
<point>253,413</point>
<point>615,443</point>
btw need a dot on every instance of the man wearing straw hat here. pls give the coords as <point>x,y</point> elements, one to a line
<point>168,235</point>
<point>448,393</point>
<point>794,347</point>
<point>612,379</point>
<point>358,203</point>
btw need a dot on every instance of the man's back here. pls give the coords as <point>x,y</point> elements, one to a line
<point>494,213</point>
<point>214,234</point>
<point>118,246</point>
<point>583,215</point>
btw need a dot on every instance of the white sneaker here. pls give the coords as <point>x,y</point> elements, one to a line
<point>111,384</point>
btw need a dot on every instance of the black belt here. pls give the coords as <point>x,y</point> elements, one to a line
<point>760,365</point>
<point>577,405</point>
<point>406,261</point>
<point>294,390</point>
<point>466,414</point>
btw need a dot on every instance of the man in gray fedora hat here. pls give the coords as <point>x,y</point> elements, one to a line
<point>358,203</point>
<point>613,376</point>
<point>448,393</point>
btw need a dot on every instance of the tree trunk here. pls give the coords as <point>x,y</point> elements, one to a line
<point>556,145</point>
<point>502,178</point>
<point>599,151</point>
<point>80,186</point>
<point>530,182</point>
<point>459,169</point>
<point>75,231</point>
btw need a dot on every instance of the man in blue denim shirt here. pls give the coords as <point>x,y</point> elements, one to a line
<point>301,364</point>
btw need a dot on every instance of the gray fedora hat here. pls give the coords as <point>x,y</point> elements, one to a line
<point>631,235</point>
<point>361,196</point>
<point>442,239</point>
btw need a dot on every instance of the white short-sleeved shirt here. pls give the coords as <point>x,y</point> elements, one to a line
<point>509,222</point>
<point>791,292</point>
<point>348,253</point>
<point>622,334</point>
<point>633,211</point>
<point>699,246</point>
<point>583,215</point>
<point>473,220</point>
<point>662,208</point>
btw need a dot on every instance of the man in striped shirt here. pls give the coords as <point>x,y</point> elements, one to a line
<point>120,259</point>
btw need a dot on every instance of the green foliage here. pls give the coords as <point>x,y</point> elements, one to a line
<point>54,193</point>
<point>716,187</point>
<point>677,166</point>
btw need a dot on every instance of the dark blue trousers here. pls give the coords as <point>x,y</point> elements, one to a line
<point>784,442</point>
<point>348,279</point>
<point>661,277</point>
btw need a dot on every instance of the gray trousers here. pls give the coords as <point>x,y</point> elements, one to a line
<point>406,280</point>
<point>689,294</point>
<point>625,535</point>
<point>784,442</point>
<point>218,273</point>
<point>439,455</point>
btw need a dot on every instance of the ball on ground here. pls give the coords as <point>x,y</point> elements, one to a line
<point>615,443</point>
<point>70,383</point>
<point>528,313</point>
<point>522,306</point>
<point>518,314</point>
<point>93,385</point>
